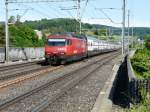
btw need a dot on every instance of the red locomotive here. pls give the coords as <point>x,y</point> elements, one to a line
<point>63,47</point>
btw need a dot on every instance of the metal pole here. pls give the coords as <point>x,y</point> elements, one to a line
<point>132,36</point>
<point>107,35</point>
<point>6,34</point>
<point>128,29</point>
<point>79,16</point>
<point>123,26</point>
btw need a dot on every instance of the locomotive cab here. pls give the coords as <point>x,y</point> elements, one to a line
<point>65,47</point>
<point>56,50</point>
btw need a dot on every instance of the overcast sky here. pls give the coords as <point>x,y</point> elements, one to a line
<point>35,11</point>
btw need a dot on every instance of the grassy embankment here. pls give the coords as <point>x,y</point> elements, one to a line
<point>141,66</point>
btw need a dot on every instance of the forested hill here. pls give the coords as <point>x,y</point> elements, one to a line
<point>23,34</point>
<point>71,25</point>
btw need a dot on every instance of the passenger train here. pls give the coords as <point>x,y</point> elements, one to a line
<point>64,47</point>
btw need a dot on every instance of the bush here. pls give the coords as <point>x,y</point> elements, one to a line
<point>141,63</point>
<point>23,36</point>
<point>147,45</point>
<point>147,41</point>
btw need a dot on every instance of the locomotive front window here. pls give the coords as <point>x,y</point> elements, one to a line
<point>56,42</point>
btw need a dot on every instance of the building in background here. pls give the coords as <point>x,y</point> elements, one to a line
<point>39,34</point>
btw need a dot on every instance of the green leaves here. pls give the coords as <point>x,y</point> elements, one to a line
<point>147,41</point>
<point>23,36</point>
<point>141,63</point>
<point>2,36</point>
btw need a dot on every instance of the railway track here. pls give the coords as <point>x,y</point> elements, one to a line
<point>12,71</point>
<point>28,75</point>
<point>17,73</point>
<point>8,67</point>
<point>11,74</point>
<point>73,82</point>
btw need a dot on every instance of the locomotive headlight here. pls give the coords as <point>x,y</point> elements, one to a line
<point>62,53</point>
<point>62,49</point>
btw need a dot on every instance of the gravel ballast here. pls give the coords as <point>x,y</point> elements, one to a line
<point>20,88</point>
<point>30,102</point>
<point>82,97</point>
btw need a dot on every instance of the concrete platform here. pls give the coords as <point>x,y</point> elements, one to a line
<point>104,101</point>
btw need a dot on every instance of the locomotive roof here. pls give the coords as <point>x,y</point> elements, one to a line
<point>68,34</point>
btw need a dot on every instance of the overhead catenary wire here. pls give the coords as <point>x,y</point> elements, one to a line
<point>40,7</point>
<point>7,2</point>
<point>38,11</point>
<point>83,11</point>
<point>52,14</point>
<point>37,1</point>
<point>105,14</point>
<point>54,8</point>
<point>25,11</point>
<point>33,9</point>
<point>93,15</point>
<point>67,10</point>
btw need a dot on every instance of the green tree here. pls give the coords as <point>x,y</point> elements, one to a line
<point>96,32</point>
<point>23,36</point>
<point>147,41</point>
<point>2,35</point>
<point>102,32</point>
<point>18,17</point>
<point>12,19</point>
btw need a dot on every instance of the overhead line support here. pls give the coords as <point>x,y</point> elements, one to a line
<point>123,27</point>
<point>7,2</point>
<point>128,29</point>
<point>79,14</point>
<point>6,33</point>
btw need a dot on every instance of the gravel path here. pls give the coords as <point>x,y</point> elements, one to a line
<point>82,97</point>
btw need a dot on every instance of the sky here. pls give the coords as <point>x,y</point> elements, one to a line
<point>91,13</point>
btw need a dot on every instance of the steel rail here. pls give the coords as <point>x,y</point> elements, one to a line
<point>12,75</point>
<point>74,82</point>
<point>14,66</point>
<point>35,90</point>
<point>28,75</point>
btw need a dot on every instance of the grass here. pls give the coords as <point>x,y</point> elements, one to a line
<point>143,106</point>
<point>141,63</point>
<point>141,66</point>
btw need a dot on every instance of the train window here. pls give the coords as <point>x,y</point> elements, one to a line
<point>89,43</point>
<point>56,42</point>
